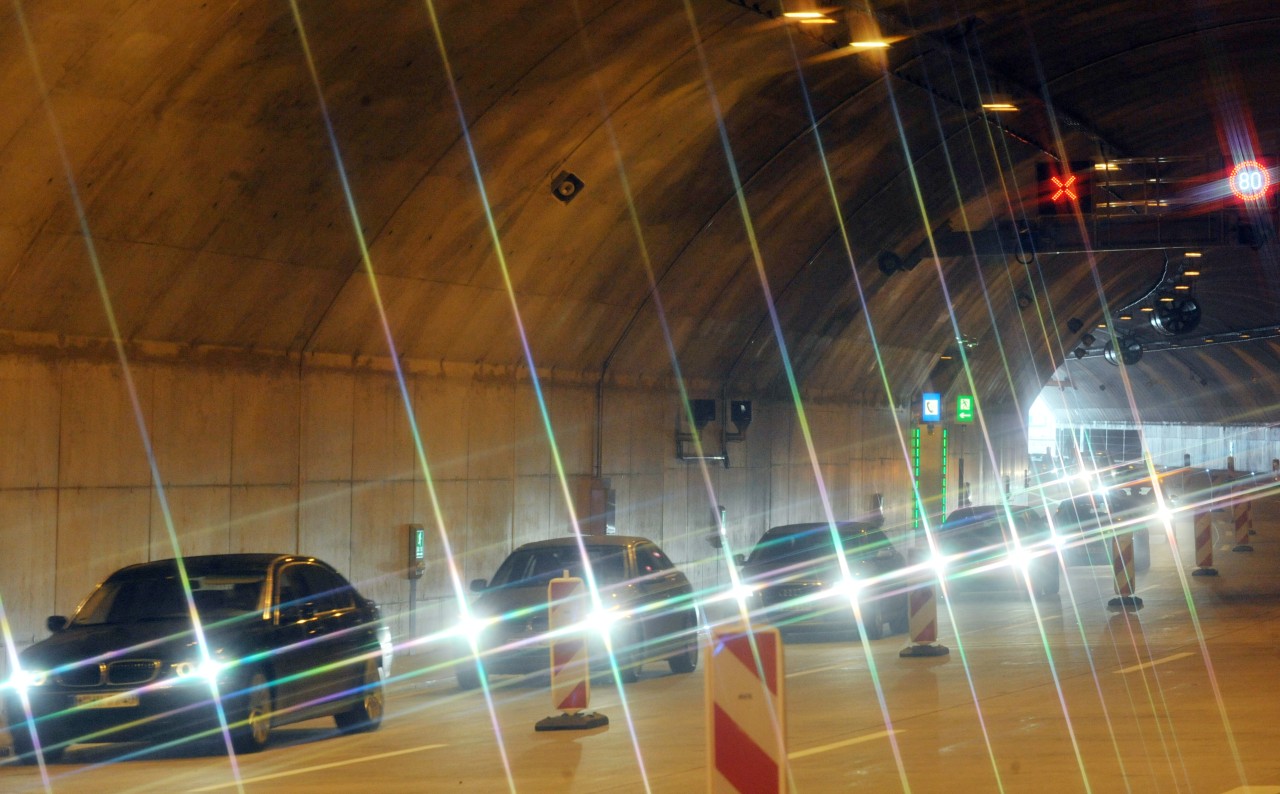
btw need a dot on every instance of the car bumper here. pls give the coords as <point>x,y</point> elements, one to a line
<point>61,716</point>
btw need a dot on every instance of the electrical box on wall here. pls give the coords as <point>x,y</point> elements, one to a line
<point>602,518</point>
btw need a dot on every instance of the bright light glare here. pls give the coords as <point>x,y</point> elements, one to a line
<point>23,680</point>
<point>1021,557</point>
<point>470,627</point>
<point>207,670</point>
<point>601,621</point>
<point>938,563</point>
<point>847,587</point>
<point>742,592</point>
<point>803,14</point>
<point>869,45</point>
<point>1057,540</point>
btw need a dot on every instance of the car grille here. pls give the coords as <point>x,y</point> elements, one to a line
<point>126,672</point>
<point>788,592</point>
<point>132,671</point>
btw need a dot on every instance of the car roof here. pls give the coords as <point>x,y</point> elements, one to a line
<point>587,540</point>
<point>208,563</point>
<point>796,529</point>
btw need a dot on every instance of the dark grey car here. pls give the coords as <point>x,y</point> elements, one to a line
<point>983,542</point>
<point>647,602</point>
<point>796,579</point>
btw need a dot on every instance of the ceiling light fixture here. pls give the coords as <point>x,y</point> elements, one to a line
<point>1191,272</point>
<point>803,14</point>
<point>1126,317</point>
<point>1192,254</point>
<point>869,44</point>
<point>1000,106</point>
<point>1148,309</point>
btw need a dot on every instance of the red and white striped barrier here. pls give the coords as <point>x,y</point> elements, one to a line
<point>1242,512</point>
<point>1202,526</point>
<point>1123,574</point>
<point>922,615</point>
<point>746,712</point>
<point>570,668</point>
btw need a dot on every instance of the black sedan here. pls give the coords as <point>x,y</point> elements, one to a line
<point>646,609</point>
<point>218,646</point>
<point>796,581</point>
<point>995,546</point>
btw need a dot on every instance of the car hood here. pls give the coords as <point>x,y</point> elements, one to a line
<point>819,571</point>
<point>499,601</point>
<point>163,639</point>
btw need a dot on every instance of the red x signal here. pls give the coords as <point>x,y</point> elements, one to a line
<point>1065,188</point>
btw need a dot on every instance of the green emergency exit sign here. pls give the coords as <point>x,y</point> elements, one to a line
<point>964,408</point>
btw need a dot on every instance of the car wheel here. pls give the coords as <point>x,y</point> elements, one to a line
<point>900,623</point>
<point>468,675</point>
<point>1142,551</point>
<point>629,673</point>
<point>1048,582</point>
<point>686,661</point>
<point>25,749</point>
<point>873,628</point>
<point>630,661</point>
<point>251,730</point>
<point>365,715</point>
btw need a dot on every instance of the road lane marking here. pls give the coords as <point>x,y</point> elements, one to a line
<point>870,737</point>
<point>813,670</point>
<point>1135,668</point>
<point>317,768</point>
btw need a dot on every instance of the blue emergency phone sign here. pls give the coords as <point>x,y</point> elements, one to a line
<point>931,407</point>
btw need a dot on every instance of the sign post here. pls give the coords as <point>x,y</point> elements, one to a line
<point>746,714</point>
<point>570,671</point>
<point>416,568</point>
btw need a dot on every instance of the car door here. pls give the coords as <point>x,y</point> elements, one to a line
<point>301,665</point>
<point>662,588</point>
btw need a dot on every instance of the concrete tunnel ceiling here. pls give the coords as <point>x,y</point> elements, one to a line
<point>231,169</point>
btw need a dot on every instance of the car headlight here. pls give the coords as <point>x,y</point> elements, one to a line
<point>471,627</point>
<point>742,592</point>
<point>846,587</point>
<point>1020,557</point>
<point>206,670</point>
<point>22,680</point>
<point>601,621</point>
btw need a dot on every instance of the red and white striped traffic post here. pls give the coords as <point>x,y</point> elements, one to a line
<point>1242,512</point>
<point>922,614</point>
<point>1203,527</point>
<point>746,712</point>
<point>570,671</point>
<point>1123,573</point>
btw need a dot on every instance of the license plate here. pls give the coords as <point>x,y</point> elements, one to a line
<point>119,700</point>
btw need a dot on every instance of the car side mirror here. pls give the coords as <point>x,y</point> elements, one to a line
<point>479,585</point>
<point>56,623</point>
<point>295,613</point>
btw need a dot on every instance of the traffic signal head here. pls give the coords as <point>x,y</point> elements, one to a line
<point>1064,188</point>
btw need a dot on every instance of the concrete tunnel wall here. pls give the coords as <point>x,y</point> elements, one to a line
<point>322,462</point>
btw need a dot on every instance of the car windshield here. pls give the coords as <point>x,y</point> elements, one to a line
<point>786,546</point>
<point>216,596</point>
<point>536,566</point>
